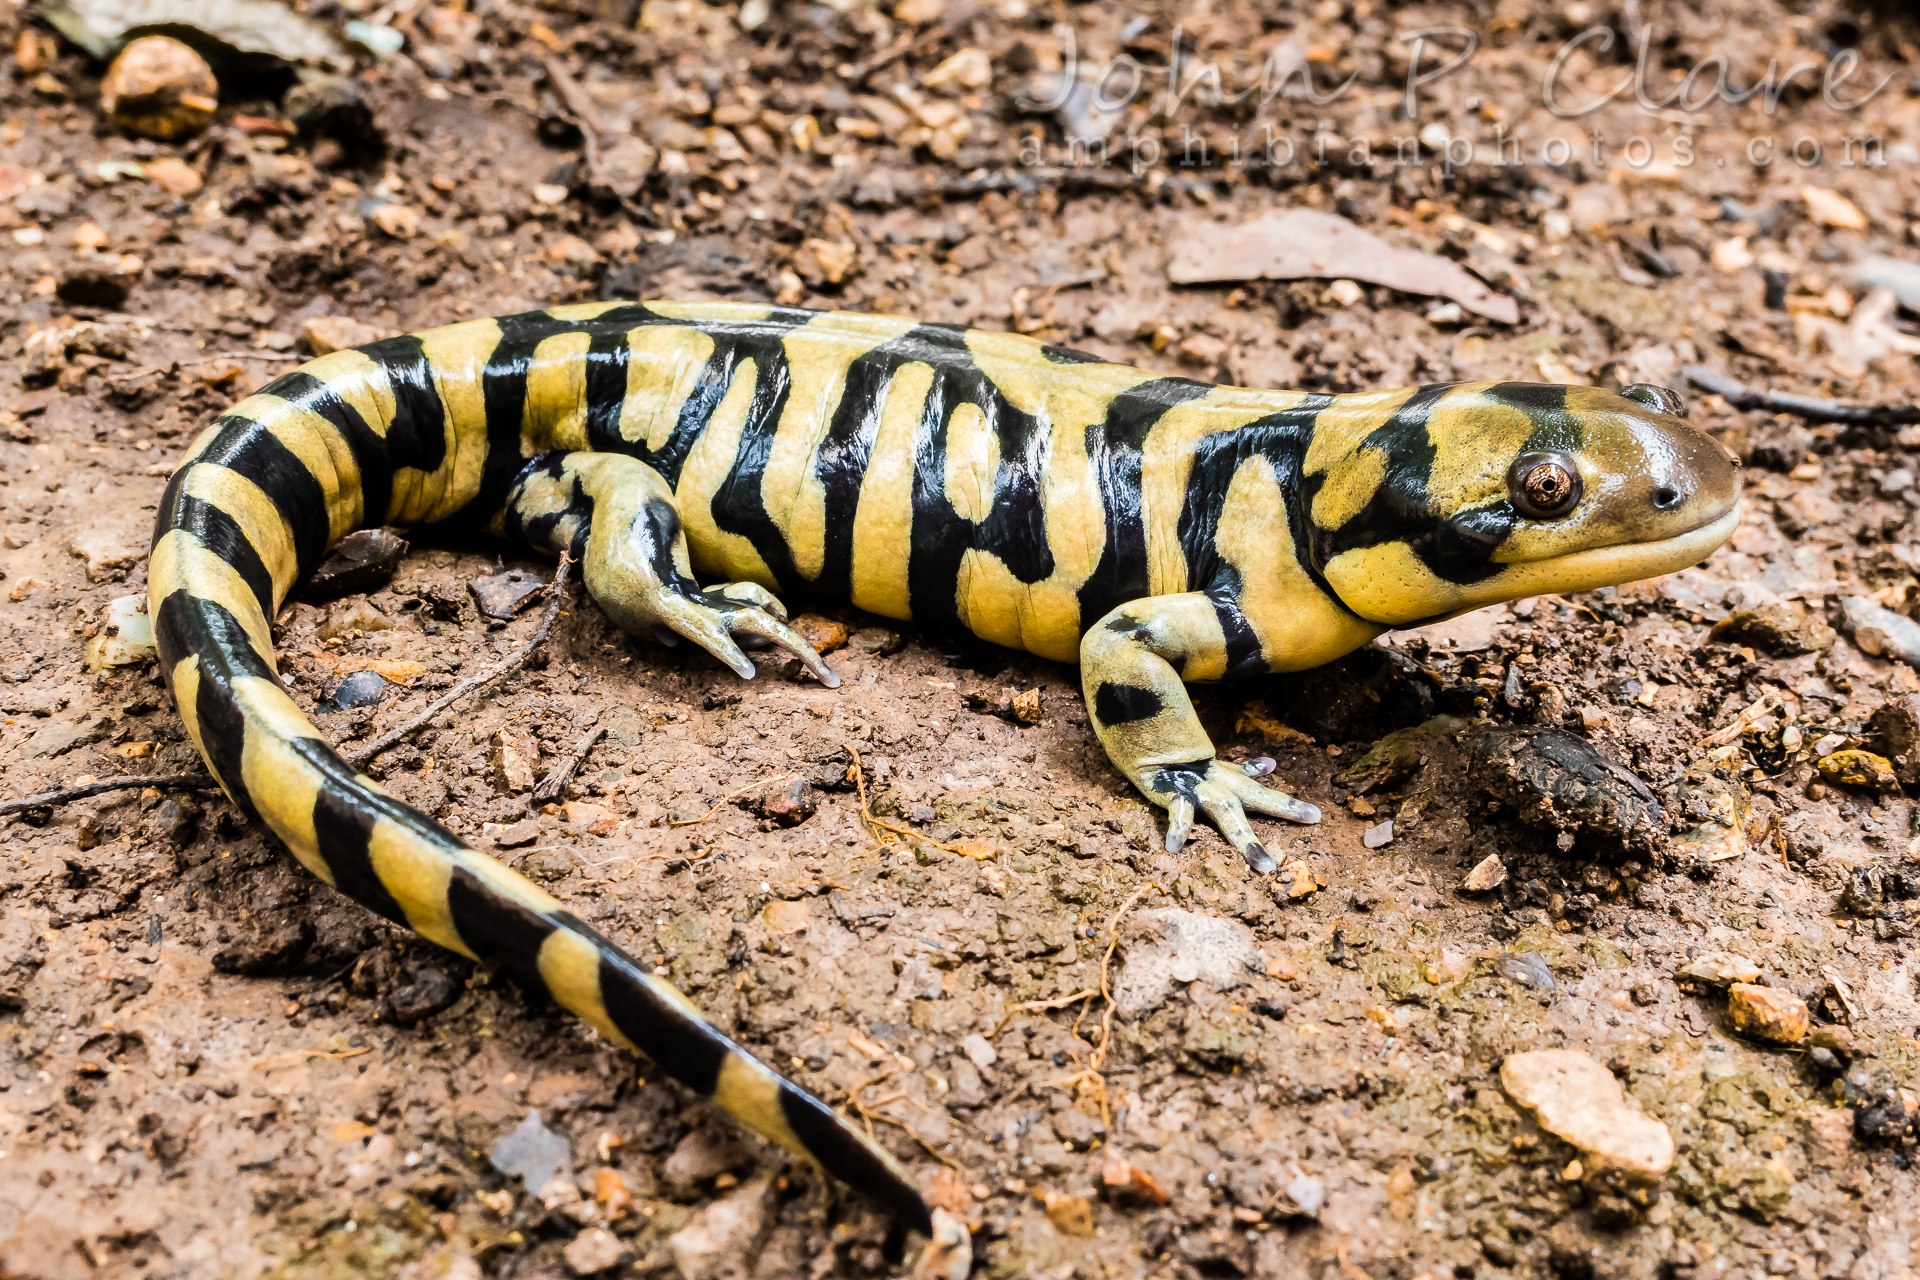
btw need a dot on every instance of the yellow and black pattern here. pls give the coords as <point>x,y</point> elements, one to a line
<point>1157,530</point>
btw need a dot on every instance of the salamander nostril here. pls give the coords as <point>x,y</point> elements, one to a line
<point>1666,498</point>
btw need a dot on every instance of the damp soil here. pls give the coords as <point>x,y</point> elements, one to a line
<point>210,1065</point>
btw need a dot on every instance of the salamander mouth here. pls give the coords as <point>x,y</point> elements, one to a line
<point>1634,561</point>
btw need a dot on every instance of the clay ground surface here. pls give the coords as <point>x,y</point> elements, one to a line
<point>210,1065</point>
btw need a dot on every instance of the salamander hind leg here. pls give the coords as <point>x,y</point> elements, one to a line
<point>1133,665</point>
<point>617,514</point>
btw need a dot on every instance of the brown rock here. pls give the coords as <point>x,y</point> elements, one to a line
<point>337,333</point>
<point>174,176</point>
<point>1767,1013</point>
<point>718,1240</point>
<point>513,758</point>
<point>824,634</point>
<point>1855,768</point>
<point>1487,875</point>
<point>160,88</point>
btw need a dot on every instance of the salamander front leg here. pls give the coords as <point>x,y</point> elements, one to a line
<point>618,515</point>
<point>1132,667</point>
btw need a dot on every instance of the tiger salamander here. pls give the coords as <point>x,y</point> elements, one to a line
<point>705,460</point>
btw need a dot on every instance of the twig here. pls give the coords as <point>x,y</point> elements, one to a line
<point>724,800</point>
<point>556,597</point>
<point>1094,1075</point>
<point>557,779</point>
<point>884,830</point>
<point>1812,408</point>
<point>162,782</point>
<point>205,782</point>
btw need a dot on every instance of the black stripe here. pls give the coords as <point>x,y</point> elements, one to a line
<point>417,437</point>
<point>685,1048</point>
<point>185,624</point>
<point>609,352</point>
<point>1114,448</point>
<point>1244,655</point>
<point>343,828</point>
<point>368,447</point>
<point>845,1157</point>
<point>1115,703</point>
<point>505,934</point>
<point>1456,546</point>
<point>221,534</point>
<point>249,449</point>
<point>709,389</point>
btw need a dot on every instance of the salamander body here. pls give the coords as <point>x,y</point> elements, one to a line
<point>705,460</point>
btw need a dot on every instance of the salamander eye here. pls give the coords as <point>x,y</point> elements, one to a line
<point>1543,486</point>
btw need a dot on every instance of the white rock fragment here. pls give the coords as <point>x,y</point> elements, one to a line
<point>1378,836</point>
<point>125,637</point>
<point>718,1238</point>
<point>1576,1099</point>
<point>1487,875</point>
<point>1168,945</point>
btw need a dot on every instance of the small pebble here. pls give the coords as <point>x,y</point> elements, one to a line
<point>1487,875</point>
<point>159,88</point>
<point>502,595</point>
<point>361,689</point>
<point>1768,1013</point>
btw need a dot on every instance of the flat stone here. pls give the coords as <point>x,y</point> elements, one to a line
<point>593,1251</point>
<point>1718,969</point>
<point>718,1241</point>
<point>1168,946</point>
<point>501,595</point>
<point>1577,1099</point>
<point>532,1153</point>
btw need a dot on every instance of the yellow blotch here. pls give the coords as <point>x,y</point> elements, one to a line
<point>577,312</point>
<point>1064,394</point>
<point>719,312</point>
<point>257,515</point>
<point>555,413</point>
<point>819,354</point>
<point>181,560</point>
<point>184,680</point>
<point>457,354</point>
<point>570,966</point>
<point>750,1093</point>
<point>1339,428</point>
<point>281,784</point>
<point>356,378</point>
<point>973,460</point>
<point>322,450</point>
<point>1350,485</point>
<point>662,371</point>
<point>1166,464</point>
<point>418,875</point>
<point>1298,625</point>
<point>717,554</point>
<point>1390,584</point>
<point>883,522</point>
<point>1475,441</point>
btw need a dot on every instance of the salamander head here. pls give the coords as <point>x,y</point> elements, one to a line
<point>1459,496</point>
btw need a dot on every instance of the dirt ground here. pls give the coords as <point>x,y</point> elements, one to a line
<point>212,1066</point>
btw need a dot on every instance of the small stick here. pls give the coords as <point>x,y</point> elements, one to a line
<point>162,782</point>
<point>724,800</point>
<point>1812,408</point>
<point>883,830</point>
<point>556,597</point>
<point>555,782</point>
